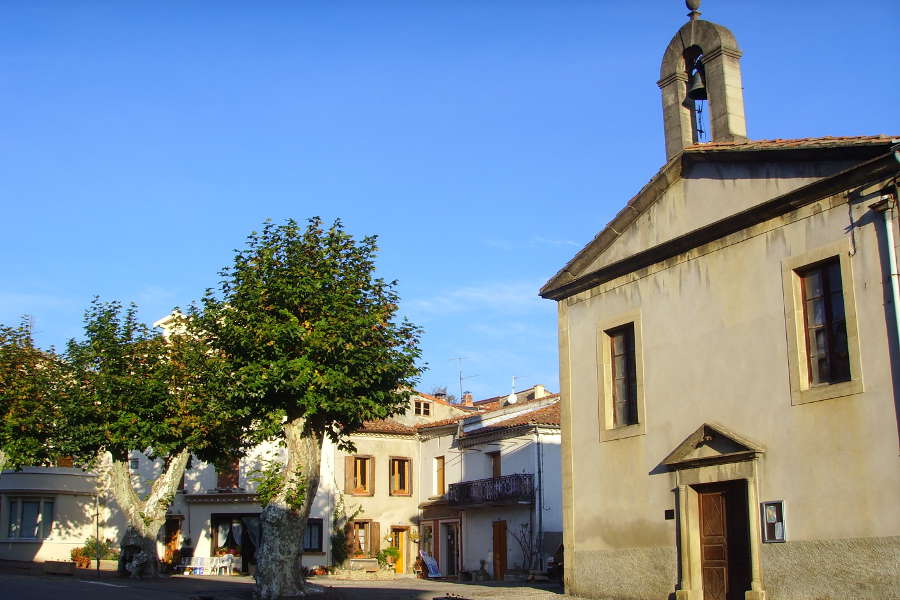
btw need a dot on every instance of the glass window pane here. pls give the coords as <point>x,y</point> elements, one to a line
<point>837,306</point>
<point>821,342</point>
<point>812,281</point>
<point>618,343</point>
<point>620,388</point>
<point>834,276</point>
<point>30,518</point>
<point>815,313</point>
<point>46,518</point>
<point>620,367</point>
<point>13,529</point>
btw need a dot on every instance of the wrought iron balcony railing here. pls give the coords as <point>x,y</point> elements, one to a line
<point>509,489</point>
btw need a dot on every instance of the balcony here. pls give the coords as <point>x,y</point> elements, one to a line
<point>497,491</point>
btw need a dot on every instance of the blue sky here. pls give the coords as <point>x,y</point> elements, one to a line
<point>483,142</point>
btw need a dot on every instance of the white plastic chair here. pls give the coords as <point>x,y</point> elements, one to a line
<point>225,564</point>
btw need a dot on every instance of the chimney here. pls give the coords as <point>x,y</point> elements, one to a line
<point>440,395</point>
<point>539,392</point>
<point>467,399</point>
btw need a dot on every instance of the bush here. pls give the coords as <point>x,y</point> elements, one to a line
<point>388,553</point>
<point>107,549</point>
<point>81,560</point>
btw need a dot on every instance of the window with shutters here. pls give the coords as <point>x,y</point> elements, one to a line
<point>494,458</point>
<point>620,378</point>
<point>820,314</point>
<point>364,538</point>
<point>400,484</point>
<point>228,476</point>
<point>359,475</point>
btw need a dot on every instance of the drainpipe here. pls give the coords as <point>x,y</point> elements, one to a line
<point>539,542</point>
<point>887,206</point>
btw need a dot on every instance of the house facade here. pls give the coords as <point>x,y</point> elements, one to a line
<point>728,362</point>
<point>492,501</point>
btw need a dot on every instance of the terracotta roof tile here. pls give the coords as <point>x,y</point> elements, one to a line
<point>386,426</point>
<point>443,422</point>
<point>438,400</point>
<point>779,144</point>
<point>549,415</point>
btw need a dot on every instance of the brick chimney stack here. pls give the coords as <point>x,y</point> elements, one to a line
<point>467,399</point>
<point>539,392</point>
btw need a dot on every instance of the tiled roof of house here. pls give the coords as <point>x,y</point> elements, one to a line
<point>781,144</point>
<point>386,426</point>
<point>442,422</point>
<point>498,402</point>
<point>548,415</point>
<point>438,400</point>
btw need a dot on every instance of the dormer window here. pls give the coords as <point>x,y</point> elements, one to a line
<point>422,407</point>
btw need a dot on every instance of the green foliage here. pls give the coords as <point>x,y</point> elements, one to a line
<point>33,399</point>
<point>301,328</point>
<point>386,555</point>
<point>106,548</point>
<point>130,388</point>
<point>270,482</point>
<point>340,548</point>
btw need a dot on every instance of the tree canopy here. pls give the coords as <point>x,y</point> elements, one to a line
<point>300,328</point>
<point>33,397</point>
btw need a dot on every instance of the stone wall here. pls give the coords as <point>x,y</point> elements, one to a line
<point>630,574</point>
<point>845,569</point>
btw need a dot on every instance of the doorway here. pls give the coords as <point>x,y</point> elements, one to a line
<point>171,554</point>
<point>398,541</point>
<point>724,539</point>
<point>499,550</point>
<point>450,550</point>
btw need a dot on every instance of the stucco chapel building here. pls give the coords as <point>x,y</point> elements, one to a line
<point>729,362</point>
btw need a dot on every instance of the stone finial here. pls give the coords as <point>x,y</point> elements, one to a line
<point>693,6</point>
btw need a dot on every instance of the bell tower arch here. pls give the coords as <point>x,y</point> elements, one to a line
<point>720,67</point>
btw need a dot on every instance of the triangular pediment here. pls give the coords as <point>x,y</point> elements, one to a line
<point>711,443</point>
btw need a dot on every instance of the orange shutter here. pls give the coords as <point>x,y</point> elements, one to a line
<point>375,538</point>
<point>348,474</point>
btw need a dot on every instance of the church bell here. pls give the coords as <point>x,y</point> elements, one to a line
<point>696,87</point>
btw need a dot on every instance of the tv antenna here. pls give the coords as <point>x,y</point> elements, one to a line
<point>459,360</point>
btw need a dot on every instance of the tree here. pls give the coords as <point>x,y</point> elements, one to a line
<point>130,389</point>
<point>304,339</point>
<point>31,400</point>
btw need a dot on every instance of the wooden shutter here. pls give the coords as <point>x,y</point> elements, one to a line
<point>348,474</point>
<point>375,538</point>
<point>371,465</point>
<point>349,537</point>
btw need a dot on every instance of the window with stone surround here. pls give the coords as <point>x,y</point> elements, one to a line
<point>820,316</point>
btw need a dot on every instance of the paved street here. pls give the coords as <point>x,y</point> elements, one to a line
<point>33,587</point>
<point>420,589</point>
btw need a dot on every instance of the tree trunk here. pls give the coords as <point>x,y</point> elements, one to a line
<point>146,516</point>
<point>278,568</point>
<point>2,460</point>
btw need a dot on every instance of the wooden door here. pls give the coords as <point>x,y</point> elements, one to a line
<point>499,550</point>
<point>398,541</point>
<point>172,532</point>
<point>713,545</point>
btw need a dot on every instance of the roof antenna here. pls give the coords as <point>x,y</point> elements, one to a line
<point>459,360</point>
